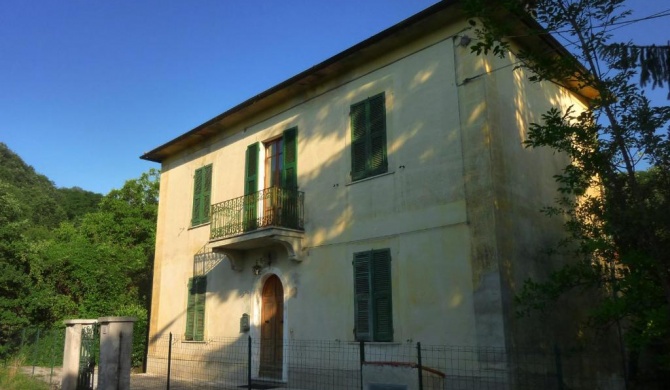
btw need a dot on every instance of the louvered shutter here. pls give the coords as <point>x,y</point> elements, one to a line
<point>206,193</point>
<point>197,197</point>
<point>368,137</point>
<point>289,198</point>
<point>202,191</point>
<point>358,141</point>
<point>190,311</point>
<point>382,317</point>
<point>377,133</point>
<point>362,302</point>
<point>251,169</point>
<point>250,186</point>
<point>200,292</point>
<point>290,173</point>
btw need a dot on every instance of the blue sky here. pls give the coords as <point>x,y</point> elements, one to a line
<point>87,86</point>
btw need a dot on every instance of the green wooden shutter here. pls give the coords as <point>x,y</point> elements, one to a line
<point>358,141</point>
<point>251,169</point>
<point>206,193</point>
<point>362,301</point>
<point>202,191</point>
<point>200,295</point>
<point>197,197</point>
<point>290,154</point>
<point>382,317</point>
<point>368,137</point>
<point>289,196</point>
<point>377,129</point>
<point>195,310</point>
<point>190,311</point>
<point>250,187</point>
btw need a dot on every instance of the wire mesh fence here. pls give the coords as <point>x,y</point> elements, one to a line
<point>248,363</point>
<point>34,351</point>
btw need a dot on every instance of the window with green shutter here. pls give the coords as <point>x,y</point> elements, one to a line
<point>368,137</point>
<point>202,195</point>
<point>195,309</point>
<point>373,309</point>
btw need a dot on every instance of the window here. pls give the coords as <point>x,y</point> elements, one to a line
<point>195,309</point>
<point>368,138</point>
<point>373,315</point>
<point>202,191</point>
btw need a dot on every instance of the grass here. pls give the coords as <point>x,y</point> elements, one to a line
<point>12,379</point>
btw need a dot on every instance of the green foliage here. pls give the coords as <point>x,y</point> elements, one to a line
<point>77,202</point>
<point>70,253</point>
<point>36,195</point>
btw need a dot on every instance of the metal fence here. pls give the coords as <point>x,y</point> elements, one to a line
<point>36,352</point>
<point>241,363</point>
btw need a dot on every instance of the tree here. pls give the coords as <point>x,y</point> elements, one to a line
<point>615,194</point>
<point>104,263</point>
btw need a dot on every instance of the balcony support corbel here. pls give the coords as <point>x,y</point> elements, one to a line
<point>234,257</point>
<point>293,246</point>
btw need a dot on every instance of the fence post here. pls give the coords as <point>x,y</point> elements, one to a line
<point>54,342</point>
<point>361,359</point>
<point>36,346</point>
<point>420,366</point>
<point>169,362</point>
<point>249,363</point>
<point>559,366</point>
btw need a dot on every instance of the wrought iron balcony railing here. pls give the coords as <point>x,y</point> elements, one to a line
<point>279,207</point>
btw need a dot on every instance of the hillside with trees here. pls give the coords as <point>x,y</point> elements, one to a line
<point>69,253</point>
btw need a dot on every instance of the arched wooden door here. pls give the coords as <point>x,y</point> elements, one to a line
<point>272,328</point>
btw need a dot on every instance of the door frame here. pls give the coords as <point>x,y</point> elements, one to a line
<point>256,318</point>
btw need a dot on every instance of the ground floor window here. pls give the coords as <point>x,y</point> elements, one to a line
<point>195,310</point>
<point>373,307</point>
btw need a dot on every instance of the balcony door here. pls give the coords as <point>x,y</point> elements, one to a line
<point>281,181</point>
<point>274,171</point>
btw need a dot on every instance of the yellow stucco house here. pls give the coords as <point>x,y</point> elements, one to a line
<point>382,195</point>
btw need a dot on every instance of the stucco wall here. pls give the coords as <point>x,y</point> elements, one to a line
<point>417,209</point>
<point>507,185</point>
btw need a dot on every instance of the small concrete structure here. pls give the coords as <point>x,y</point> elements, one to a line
<point>71,351</point>
<point>116,344</point>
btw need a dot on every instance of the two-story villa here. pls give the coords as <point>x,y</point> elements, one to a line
<point>382,195</point>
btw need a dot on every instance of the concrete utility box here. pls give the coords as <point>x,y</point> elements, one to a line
<point>72,351</point>
<point>116,345</point>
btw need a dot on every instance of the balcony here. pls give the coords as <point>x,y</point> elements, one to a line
<point>267,217</point>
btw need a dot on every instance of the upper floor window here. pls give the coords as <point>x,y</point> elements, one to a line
<point>368,137</point>
<point>202,195</point>
<point>373,309</point>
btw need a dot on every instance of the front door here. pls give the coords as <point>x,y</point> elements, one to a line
<point>272,328</point>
